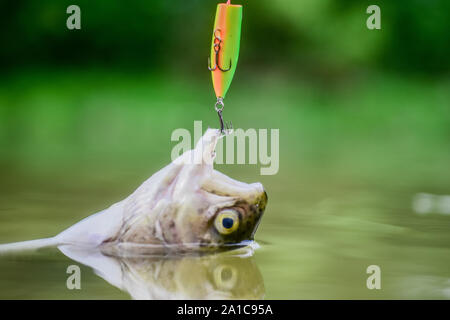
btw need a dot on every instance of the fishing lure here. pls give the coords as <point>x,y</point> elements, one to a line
<point>224,52</point>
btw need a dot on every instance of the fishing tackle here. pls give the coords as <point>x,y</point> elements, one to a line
<point>217,46</point>
<point>224,48</point>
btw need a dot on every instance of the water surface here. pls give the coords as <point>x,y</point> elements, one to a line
<point>316,241</point>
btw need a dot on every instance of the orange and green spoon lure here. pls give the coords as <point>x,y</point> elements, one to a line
<point>225,51</point>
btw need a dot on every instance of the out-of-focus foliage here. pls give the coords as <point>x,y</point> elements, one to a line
<point>310,35</point>
<point>414,34</point>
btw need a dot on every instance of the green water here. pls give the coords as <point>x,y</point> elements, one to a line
<point>351,164</point>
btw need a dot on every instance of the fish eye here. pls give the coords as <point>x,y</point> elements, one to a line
<point>226,222</point>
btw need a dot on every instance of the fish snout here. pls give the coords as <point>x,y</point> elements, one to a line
<point>260,200</point>
<point>256,212</point>
<point>263,201</point>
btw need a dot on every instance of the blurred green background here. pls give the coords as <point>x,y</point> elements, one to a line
<point>364,117</point>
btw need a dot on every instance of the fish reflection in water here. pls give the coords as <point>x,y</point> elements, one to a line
<point>226,275</point>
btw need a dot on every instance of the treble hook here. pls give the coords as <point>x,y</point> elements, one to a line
<point>217,46</point>
<point>219,108</point>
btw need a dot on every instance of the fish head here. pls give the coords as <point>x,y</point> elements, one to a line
<point>208,207</point>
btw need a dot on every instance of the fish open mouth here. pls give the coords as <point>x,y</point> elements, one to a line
<point>243,248</point>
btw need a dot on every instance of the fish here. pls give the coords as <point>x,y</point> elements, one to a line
<point>187,205</point>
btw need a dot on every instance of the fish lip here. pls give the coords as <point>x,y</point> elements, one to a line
<point>262,203</point>
<point>266,198</point>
